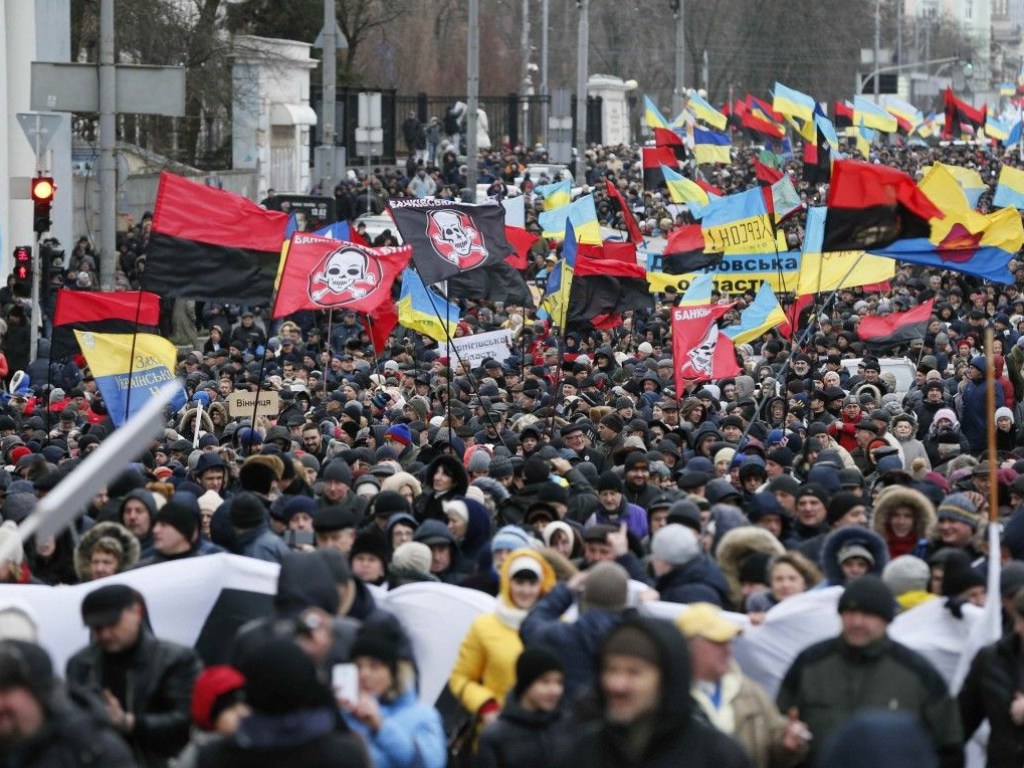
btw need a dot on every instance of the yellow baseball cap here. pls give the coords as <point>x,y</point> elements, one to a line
<point>707,621</point>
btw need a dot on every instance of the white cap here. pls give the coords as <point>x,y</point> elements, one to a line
<point>523,563</point>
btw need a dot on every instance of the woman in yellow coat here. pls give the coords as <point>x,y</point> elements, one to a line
<point>486,667</point>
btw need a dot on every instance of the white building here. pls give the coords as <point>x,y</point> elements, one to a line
<point>271,115</point>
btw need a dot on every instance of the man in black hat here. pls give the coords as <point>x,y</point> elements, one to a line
<point>144,683</point>
<point>577,439</point>
<point>877,673</point>
<point>39,724</point>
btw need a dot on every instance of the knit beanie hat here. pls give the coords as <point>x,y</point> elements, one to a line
<point>479,461</point>
<point>552,493</point>
<point>510,537</point>
<point>381,639</point>
<point>906,573</point>
<point>400,433</point>
<point>606,587</point>
<point>610,481</point>
<point>370,542</point>
<point>533,663</point>
<point>868,594</point>
<point>456,508</point>
<point>958,506</point>
<point>180,517</point>
<point>247,511</point>
<point>296,505</point>
<point>388,503</point>
<point>536,470</point>
<point>614,422</point>
<point>339,471</point>
<point>781,455</point>
<point>280,678</point>
<point>412,556</point>
<point>840,504</point>
<point>209,501</point>
<point>630,640</point>
<point>500,467</point>
<point>675,544</point>
<point>958,576</point>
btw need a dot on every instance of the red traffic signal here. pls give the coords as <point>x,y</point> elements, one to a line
<point>23,263</point>
<point>43,189</point>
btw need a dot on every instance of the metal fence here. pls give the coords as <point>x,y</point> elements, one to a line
<point>510,119</point>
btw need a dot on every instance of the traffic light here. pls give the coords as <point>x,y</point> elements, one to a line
<point>23,265</point>
<point>43,189</point>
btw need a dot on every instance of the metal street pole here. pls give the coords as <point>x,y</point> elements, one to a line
<point>524,80</point>
<point>330,84</point>
<point>582,64</point>
<point>878,42</point>
<point>472,95</point>
<point>107,170</point>
<point>678,99</point>
<point>545,106</point>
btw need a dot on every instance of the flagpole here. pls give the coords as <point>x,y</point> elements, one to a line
<point>259,380</point>
<point>373,346</point>
<point>131,358</point>
<point>330,351</point>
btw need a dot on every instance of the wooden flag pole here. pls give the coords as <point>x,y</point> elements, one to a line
<point>990,409</point>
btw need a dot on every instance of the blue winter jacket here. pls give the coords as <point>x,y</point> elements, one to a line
<point>411,735</point>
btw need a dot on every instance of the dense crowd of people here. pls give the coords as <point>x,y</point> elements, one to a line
<point>569,479</point>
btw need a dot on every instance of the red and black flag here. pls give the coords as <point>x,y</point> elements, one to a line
<point>606,282</point>
<point>765,174</point>
<point>844,115</point>
<point>961,117</point>
<point>211,245</point>
<point>896,328</point>
<point>817,159</point>
<point>757,116</point>
<point>684,251</point>
<point>449,239</point>
<point>101,312</point>
<point>872,206</point>
<point>321,273</point>
<point>653,158</point>
<point>635,236</point>
<point>664,137</point>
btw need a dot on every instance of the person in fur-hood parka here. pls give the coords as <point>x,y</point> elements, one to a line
<point>841,543</point>
<point>736,546</point>
<point>122,539</point>
<point>899,539</point>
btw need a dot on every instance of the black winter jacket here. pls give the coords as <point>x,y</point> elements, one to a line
<point>521,738</point>
<point>996,676</point>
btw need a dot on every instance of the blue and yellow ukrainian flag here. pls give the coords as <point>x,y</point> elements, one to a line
<point>555,195</point>
<point>970,182</point>
<point>827,272</point>
<point>1009,189</point>
<point>1014,137</point>
<point>763,314</point>
<point>685,191</point>
<point>555,305</point>
<point>710,146</point>
<point>582,213</point>
<point>109,356</point>
<point>1007,89</point>
<point>738,224</point>
<point>653,115</point>
<point>423,311</point>
<point>871,115</point>
<point>997,129</point>
<point>699,292</point>
<point>705,112</point>
<point>787,101</point>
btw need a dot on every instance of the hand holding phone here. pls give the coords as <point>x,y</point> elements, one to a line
<point>345,682</point>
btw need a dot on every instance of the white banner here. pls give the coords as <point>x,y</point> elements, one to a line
<point>180,596</point>
<point>474,349</point>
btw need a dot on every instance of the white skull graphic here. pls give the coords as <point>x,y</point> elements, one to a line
<point>702,356</point>
<point>453,233</point>
<point>343,269</point>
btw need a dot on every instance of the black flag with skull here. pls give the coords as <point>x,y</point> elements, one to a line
<point>449,238</point>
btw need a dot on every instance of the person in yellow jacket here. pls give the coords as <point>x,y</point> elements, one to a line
<point>485,670</point>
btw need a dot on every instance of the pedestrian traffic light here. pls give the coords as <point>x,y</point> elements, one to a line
<point>43,189</point>
<point>23,265</point>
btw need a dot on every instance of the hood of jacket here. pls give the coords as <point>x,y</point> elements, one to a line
<point>305,581</point>
<point>454,468</point>
<point>83,551</point>
<point>852,534</point>
<point>701,570</point>
<point>675,705</point>
<point>736,546</point>
<point>896,496</point>
<point>547,581</point>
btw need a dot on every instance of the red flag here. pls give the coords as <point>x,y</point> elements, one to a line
<point>323,273</point>
<point>844,114</point>
<point>700,350</point>
<point>611,259</point>
<point>766,174</point>
<point>522,241</point>
<point>665,137</point>
<point>627,215</point>
<point>898,327</point>
<point>652,158</point>
<point>711,189</point>
<point>961,116</point>
<point>385,318</point>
